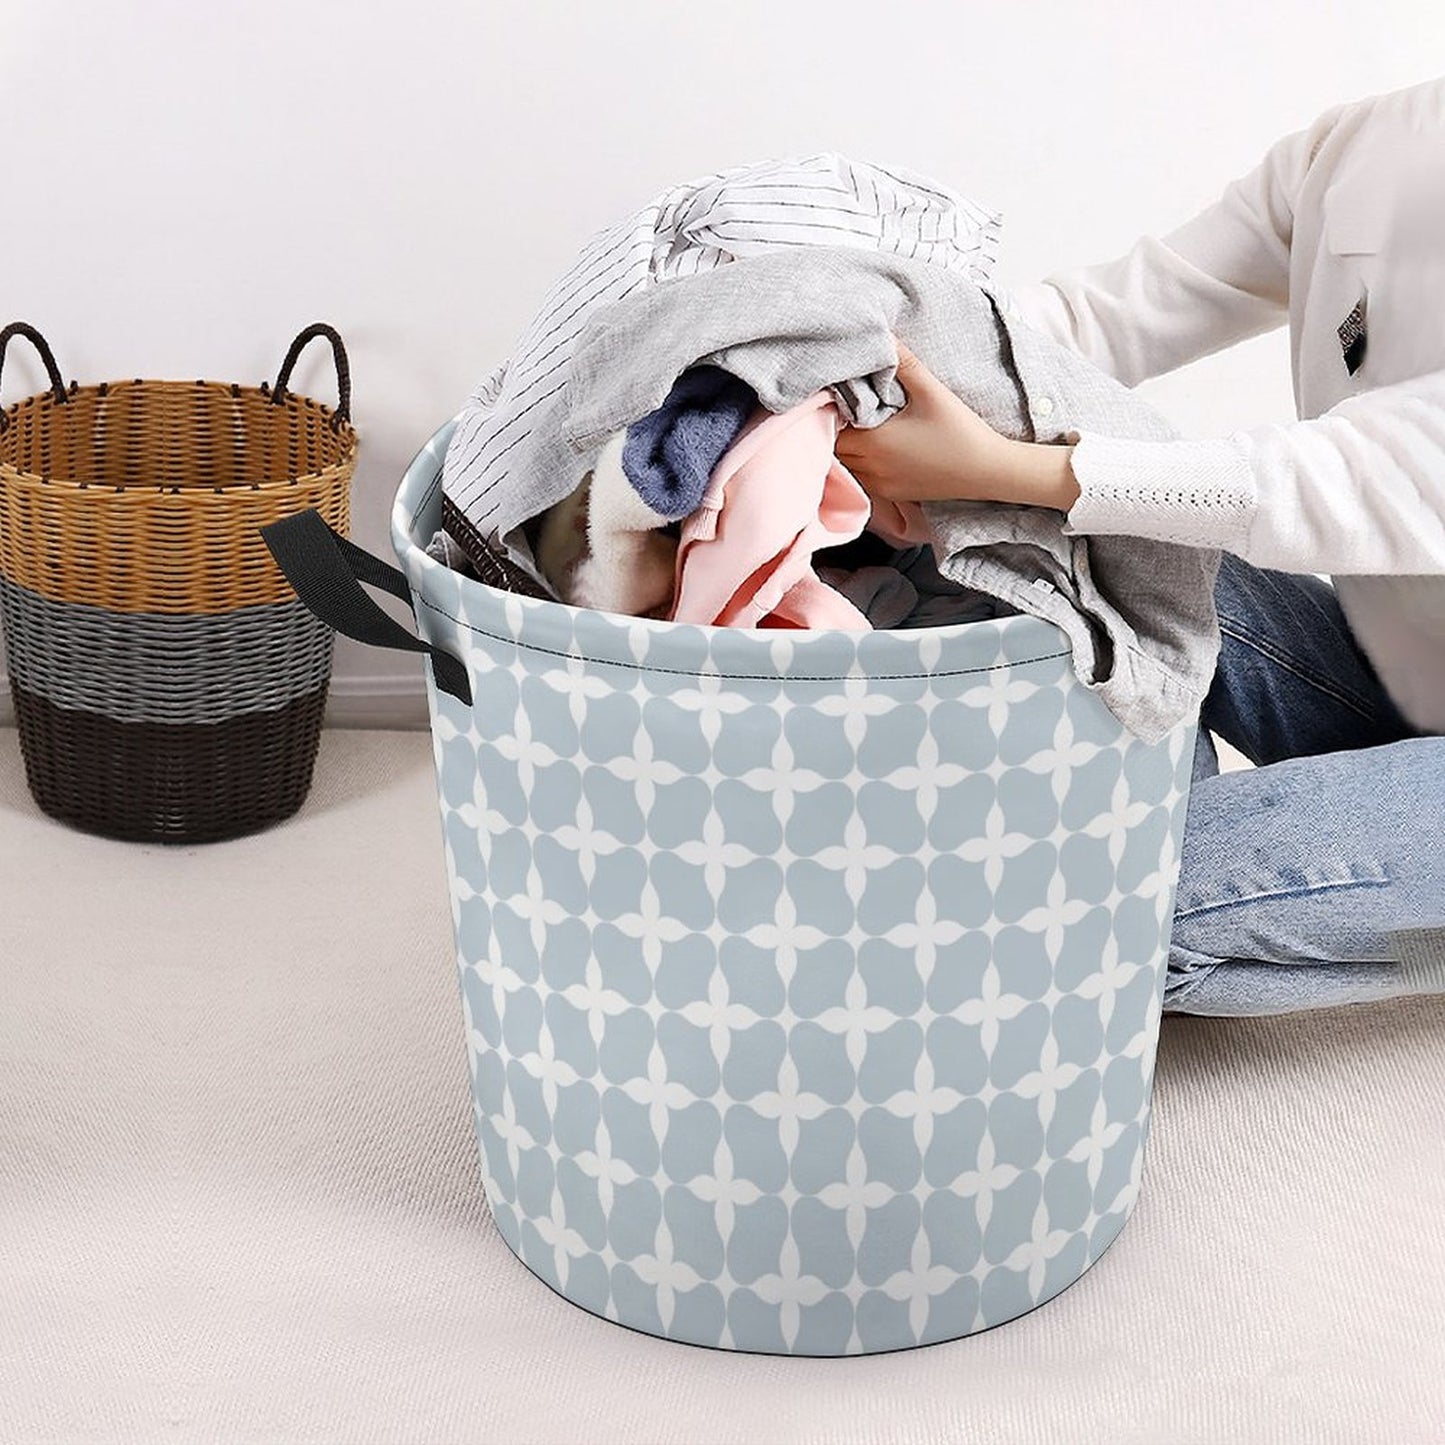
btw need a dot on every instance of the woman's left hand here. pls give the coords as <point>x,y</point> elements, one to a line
<point>938,448</point>
<point>935,447</point>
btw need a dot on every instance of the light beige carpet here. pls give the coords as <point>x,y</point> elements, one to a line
<point>239,1198</point>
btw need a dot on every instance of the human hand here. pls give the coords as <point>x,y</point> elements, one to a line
<point>938,448</point>
<point>935,447</point>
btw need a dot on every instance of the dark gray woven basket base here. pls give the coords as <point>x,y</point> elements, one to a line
<point>169,782</point>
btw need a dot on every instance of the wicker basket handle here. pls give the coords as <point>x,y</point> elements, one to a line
<point>327,571</point>
<point>343,368</point>
<point>23,328</point>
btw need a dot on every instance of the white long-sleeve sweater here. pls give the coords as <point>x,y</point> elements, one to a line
<point>1350,209</point>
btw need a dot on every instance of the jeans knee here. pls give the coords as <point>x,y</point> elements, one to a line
<point>1185,975</point>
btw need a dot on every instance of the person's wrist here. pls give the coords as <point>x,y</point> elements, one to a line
<point>1035,474</point>
<point>1004,468</point>
<point>1061,490</point>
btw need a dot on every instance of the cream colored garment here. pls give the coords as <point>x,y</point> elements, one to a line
<point>600,546</point>
<point>562,538</point>
<point>1350,207</point>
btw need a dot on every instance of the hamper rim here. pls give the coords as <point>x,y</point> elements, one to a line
<point>418,564</point>
<point>291,403</point>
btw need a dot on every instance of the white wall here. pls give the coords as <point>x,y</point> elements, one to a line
<point>187,184</point>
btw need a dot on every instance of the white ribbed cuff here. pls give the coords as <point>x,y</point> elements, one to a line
<point>1196,493</point>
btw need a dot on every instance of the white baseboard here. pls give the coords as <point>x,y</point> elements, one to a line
<point>352,702</point>
<point>377,702</point>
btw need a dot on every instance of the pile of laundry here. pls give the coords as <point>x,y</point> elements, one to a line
<point>661,442</point>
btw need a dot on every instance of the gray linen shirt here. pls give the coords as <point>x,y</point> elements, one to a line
<point>1139,614</point>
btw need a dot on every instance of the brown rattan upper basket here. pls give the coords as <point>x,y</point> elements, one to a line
<point>146,496</point>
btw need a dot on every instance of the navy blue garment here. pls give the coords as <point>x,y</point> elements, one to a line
<point>670,453</point>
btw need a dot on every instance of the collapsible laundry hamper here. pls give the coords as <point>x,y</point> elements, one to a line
<point>167,683</point>
<point>812,979</point>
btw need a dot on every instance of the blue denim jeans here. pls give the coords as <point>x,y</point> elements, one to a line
<point>1296,873</point>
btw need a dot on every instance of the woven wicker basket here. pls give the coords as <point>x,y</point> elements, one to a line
<point>167,683</point>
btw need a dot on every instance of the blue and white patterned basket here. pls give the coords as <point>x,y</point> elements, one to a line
<point>812,980</point>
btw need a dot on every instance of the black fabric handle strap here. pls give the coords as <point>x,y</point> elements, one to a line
<point>326,569</point>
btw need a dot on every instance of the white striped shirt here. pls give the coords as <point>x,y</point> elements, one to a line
<point>823,199</point>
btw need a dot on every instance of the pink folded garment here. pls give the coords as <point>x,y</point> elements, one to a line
<point>776,496</point>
